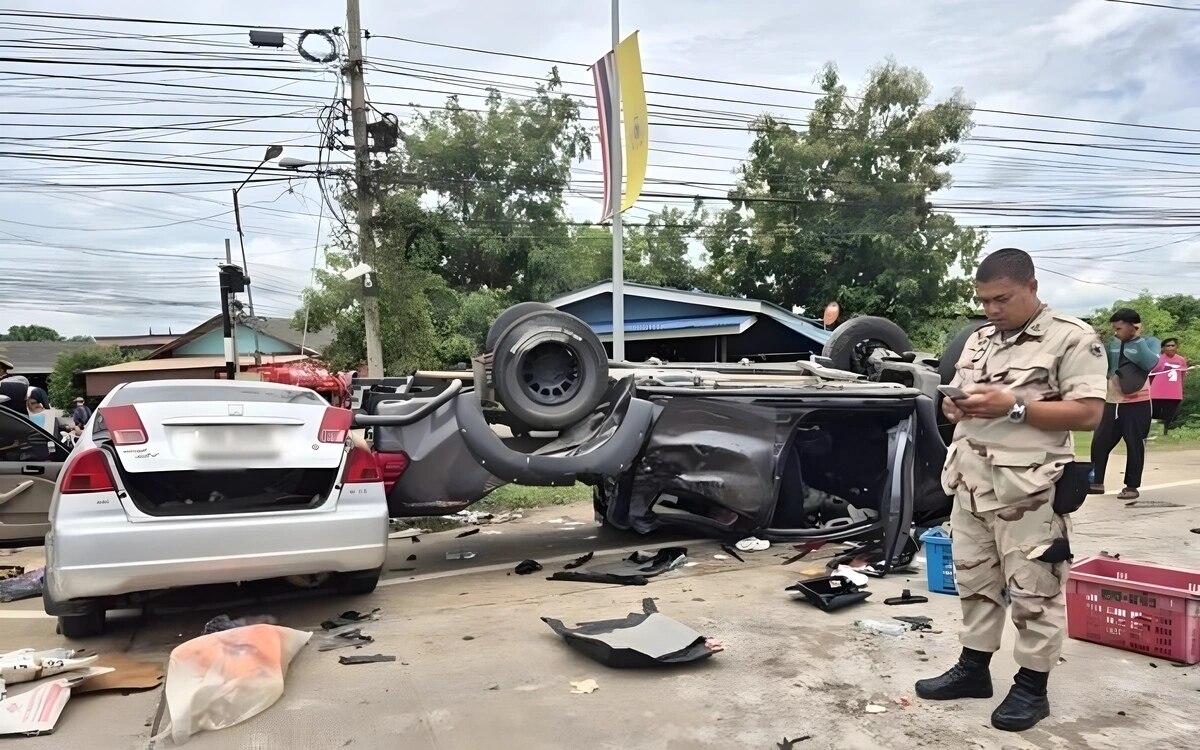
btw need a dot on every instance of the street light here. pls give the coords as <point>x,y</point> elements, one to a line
<point>291,162</point>
<point>273,152</point>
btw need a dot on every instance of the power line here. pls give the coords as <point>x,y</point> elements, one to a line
<point>126,19</point>
<point>781,89</point>
<point>1153,5</point>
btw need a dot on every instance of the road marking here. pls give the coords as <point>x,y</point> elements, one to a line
<point>1167,486</point>
<point>508,566</point>
<point>24,614</point>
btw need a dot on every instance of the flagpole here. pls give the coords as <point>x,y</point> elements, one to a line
<point>614,160</point>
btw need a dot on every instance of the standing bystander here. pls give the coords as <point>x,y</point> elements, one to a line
<point>1127,413</point>
<point>1166,384</point>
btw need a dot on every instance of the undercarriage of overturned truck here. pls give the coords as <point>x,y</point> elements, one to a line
<point>842,447</point>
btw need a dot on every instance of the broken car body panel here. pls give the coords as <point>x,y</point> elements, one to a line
<point>791,453</point>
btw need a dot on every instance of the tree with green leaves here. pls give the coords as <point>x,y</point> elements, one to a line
<point>67,380</point>
<point>31,333</point>
<point>841,210</point>
<point>470,217</point>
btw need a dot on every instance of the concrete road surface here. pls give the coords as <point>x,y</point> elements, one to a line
<point>476,668</point>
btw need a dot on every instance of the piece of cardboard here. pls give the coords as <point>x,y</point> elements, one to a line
<point>127,674</point>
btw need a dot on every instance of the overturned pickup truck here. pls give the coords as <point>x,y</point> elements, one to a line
<point>845,447</point>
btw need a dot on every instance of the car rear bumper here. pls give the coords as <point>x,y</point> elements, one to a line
<point>95,561</point>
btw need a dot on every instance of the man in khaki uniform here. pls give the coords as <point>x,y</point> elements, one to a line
<point>1031,376</point>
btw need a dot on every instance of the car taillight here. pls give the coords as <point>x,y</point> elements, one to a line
<point>361,467</point>
<point>124,425</point>
<point>87,472</point>
<point>335,425</point>
<point>393,466</point>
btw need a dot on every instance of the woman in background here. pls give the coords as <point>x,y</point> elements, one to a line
<point>1166,383</point>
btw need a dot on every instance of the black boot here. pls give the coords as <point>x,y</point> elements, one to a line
<point>1026,704</point>
<point>969,678</point>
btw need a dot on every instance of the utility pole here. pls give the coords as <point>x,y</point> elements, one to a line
<point>230,324</point>
<point>233,280</point>
<point>614,167</point>
<point>362,178</point>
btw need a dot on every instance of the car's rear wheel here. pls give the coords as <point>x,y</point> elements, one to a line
<point>550,370</point>
<point>508,317</point>
<point>359,582</point>
<point>854,341</point>
<point>82,626</point>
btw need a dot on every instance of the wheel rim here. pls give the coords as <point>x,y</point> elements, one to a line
<point>863,351</point>
<point>550,374</point>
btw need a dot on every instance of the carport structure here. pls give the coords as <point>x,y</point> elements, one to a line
<point>685,326</point>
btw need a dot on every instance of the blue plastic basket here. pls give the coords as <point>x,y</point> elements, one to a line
<point>939,562</point>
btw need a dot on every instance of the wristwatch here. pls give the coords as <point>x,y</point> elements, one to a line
<point>1016,414</point>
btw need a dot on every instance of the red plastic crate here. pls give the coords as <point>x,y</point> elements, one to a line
<point>1150,609</point>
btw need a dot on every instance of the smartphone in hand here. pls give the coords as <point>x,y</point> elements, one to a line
<point>952,393</point>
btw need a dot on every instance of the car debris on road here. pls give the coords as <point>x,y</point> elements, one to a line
<point>640,639</point>
<point>23,585</point>
<point>37,711</point>
<point>365,659</point>
<point>223,622</point>
<point>584,687</point>
<point>525,567</point>
<point>830,593</point>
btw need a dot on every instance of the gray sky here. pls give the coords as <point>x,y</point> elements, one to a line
<point>88,250</point>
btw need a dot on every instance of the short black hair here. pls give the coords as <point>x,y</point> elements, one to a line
<point>1168,342</point>
<point>1007,263</point>
<point>1126,315</point>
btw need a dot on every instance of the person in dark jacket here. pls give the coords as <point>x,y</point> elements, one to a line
<point>80,415</point>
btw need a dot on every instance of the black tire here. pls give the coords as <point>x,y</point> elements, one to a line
<point>508,317</point>
<point>82,626</point>
<point>358,583</point>
<point>853,341</point>
<point>549,370</point>
<point>954,349</point>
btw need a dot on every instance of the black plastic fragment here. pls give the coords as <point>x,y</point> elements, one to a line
<point>640,639</point>
<point>347,618</point>
<point>468,532</point>
<point>525,567</point>
<point>732,552</point>
<point>580,561</point>
<point>920,622</point>
<point>581,577</point>
<point>907,597</point>
<point>830,593</point>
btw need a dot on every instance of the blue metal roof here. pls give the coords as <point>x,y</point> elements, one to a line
<point>675,324</point>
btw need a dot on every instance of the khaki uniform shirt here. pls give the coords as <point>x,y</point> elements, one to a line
<point>995,462</point>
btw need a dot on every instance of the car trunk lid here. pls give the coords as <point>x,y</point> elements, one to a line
<point>220,435</point>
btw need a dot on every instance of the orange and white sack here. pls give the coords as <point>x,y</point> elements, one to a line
<point>222,679</point>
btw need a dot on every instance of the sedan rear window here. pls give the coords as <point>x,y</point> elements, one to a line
<point>243,393</point>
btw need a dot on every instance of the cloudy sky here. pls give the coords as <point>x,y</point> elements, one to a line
<point>120,141</point>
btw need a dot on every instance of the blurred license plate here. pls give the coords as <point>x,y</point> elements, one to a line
<point>252,441</point>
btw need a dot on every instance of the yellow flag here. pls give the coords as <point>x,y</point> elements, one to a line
<point>636,119</point>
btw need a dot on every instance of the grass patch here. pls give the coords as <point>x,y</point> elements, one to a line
<point>1180,438</point>
<point>513,497</point>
